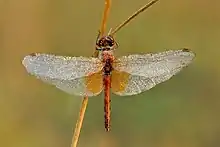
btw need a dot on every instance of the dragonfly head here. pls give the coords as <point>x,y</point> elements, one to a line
<point>105,43</point>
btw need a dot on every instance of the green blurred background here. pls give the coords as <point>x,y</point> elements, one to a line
<point>182,112</point>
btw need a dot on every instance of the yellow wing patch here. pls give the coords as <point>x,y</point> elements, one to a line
<point>119,81</point>
<point>94,83</point>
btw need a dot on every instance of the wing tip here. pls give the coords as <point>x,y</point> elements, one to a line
<point>186,50</point>
<point>189,52</point>
<point>27,58</point>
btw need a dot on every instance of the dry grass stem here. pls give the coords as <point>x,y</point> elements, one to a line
<point>117,28</point>
<point>79,122</point>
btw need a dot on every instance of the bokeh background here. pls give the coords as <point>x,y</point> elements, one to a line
<point>182,112</point>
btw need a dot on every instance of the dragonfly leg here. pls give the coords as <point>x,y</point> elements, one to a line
<point>116,45</point>
<point>109,33</point>
<point>98,36</point>
<point>97,40</point>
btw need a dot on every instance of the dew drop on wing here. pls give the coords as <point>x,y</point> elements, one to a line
<point>147,70</point>
<point>66,73</point>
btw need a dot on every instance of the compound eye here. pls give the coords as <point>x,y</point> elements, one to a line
<point>110,42</point>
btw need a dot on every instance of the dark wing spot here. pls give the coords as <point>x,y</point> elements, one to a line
<point>33,54</point>
<point>185,50</point>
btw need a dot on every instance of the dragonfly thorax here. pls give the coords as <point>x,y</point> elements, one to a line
<point>107,59</point>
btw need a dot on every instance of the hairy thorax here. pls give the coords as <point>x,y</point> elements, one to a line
<point>107,59</point>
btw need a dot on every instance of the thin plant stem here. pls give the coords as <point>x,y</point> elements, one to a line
<point>79,122</point>
<point>85,99</point>
<point>117,28</point>
<point>105,16</point>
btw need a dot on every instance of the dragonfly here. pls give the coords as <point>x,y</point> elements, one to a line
<point>123,76</point>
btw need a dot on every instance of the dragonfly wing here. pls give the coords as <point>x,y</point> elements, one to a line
<point>70,74</point>
<point>90,85</point>
<point>145,71</point>
<point>125,84</point>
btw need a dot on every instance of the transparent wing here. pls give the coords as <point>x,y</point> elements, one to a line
<point>145,71</point>
<point>70,74</point>
<point>85,86</point>
<point>129,84</point>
